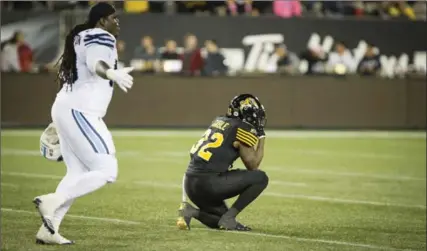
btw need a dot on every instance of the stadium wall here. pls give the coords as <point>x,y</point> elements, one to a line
<point>292,102</point>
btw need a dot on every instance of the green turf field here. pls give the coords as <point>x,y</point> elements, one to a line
<point>327,191</point>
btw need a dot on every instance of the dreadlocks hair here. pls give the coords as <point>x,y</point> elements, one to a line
<point>67,72</point>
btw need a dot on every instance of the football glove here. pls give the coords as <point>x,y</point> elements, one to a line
<point>261,132</point>
<point>121,77</point>
<point>262,122</point>
<point>49,144</point>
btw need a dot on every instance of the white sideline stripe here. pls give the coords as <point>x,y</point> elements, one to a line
<point>287,183</point>
<point>342,243</point>
<point>171,185</point>
<point>310,152</point>
<point>23,152</point>
<point>33,175</point>
<point>19,152</point>
<point>157,184</point>
<point>177,156</point>
<point>280,195</point>
<point>300,239</point>
<point>345,174</point>
<point>344,201</point>
<point>146,157</point>
<point>270,133</point>
<point>347,154</point>
<point>180,154</point>
<point>76,216</point>
<point>174,153</point>
<point>8,184</point>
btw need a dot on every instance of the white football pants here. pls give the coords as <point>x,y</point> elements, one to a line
<point>89,153</point>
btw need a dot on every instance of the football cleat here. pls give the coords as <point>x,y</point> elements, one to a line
<point>230,224</point>
<point>44,237</point>
<point>47,205</point>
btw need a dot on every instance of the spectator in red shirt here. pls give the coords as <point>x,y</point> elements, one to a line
<point>25,53</point>
<point>192,61</point>
<point>16,54</point>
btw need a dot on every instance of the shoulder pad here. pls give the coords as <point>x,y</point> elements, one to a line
<point>98,37</point>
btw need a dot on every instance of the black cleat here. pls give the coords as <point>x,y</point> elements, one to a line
<point>40,242</point>
<point>227,223</point>
<point>242,227</point>
<point>230,224</point>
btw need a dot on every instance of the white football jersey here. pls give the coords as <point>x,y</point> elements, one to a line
<point>90,93</point>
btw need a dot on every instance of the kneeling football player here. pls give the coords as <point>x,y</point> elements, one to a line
<point>208,180</point>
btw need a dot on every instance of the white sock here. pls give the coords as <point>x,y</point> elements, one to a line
<point>60,213</point>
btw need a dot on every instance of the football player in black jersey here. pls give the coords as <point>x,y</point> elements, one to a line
<point>208,180</point>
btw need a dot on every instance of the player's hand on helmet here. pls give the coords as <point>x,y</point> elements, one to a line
<point>121,77</point>
<point>261,132</point>
<point>262,122</point>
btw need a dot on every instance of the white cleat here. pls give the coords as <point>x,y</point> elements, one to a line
<point>47,205</point>
<point>44,237</point>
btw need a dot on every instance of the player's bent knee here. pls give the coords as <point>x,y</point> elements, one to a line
<point>112,170</point>
<point>261,177</point>
<point>107,164</point>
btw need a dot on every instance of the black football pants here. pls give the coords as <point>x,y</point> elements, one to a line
<point>208,192</point>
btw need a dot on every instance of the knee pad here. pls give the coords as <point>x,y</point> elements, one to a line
<point>107,164</point>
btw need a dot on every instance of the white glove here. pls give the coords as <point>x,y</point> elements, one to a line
<point>49,144</point>
<point>121,77</point>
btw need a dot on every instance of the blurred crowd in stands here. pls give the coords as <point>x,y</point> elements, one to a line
<point>207,59</point>
<point>283,8</point>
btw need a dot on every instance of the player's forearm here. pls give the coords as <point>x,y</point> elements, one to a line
<point>252,158</point>
<point>101,69</point>
<point>259,153</point>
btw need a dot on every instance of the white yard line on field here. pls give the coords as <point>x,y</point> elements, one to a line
<point>4,184</point>
<point>305,152</point>
<point>33,175</point>
<point>23,152</point>
<point>19,152</point>
<point>341,154</point>
<point>159,157</point>
<point>75,216</point>
<point>272,194</point>
<point>287,183</point>
<point>270,134</point>
<point>157,184</point>
<point>298,239</point>
<point>338,173</point>
<point>342,201</point>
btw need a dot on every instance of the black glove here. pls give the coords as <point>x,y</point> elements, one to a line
<point>261,123</point>
<point>261,132</point>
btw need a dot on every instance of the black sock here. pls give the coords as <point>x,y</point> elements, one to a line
<point>249,195</point>
<point>210,220</point>
<point>195,213</point>
<point>231,213</point>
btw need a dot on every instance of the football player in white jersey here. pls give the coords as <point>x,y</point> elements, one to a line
<point>87,74</point>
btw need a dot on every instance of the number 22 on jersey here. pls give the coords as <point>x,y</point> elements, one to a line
<point>208,141</point>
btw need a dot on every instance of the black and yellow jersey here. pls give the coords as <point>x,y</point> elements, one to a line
<point>214,152</point>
